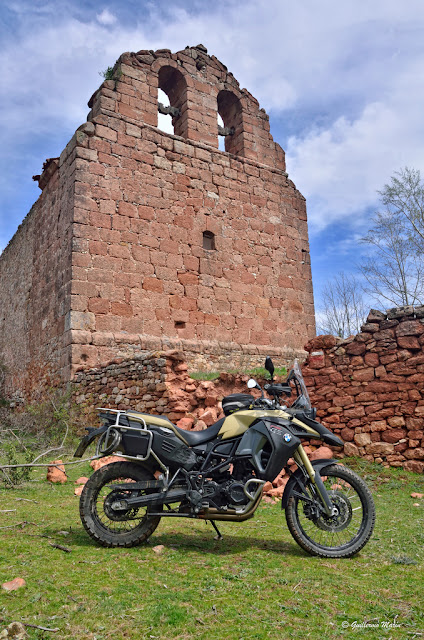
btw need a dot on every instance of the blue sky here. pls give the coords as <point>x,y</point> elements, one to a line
<point>341,81</point>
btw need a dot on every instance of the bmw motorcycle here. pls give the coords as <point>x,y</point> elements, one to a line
<point>218,474</point>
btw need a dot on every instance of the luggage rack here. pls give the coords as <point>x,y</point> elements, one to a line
<point>115,432</point>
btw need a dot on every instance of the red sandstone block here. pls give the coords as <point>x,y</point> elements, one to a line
<point>107,206</point>
<point>121,223</point>
<point>101,146</point>
<point>146,213</point>
<point>188,278</point>
<point>107,158</point>
<point>81,259</point>
<point>363,375</point>
<point>108,323</point>
<point>121,309</point>
<point>98,305</point>
<point>83,202</point>
<point>119,251</point>
<point>99,276</point>
<point>153,284</point>
<point>98,248</point>
<point>409,342</point>
<point>101,220</point>
<point>82,288</point>
<point>106,133</point>
<point>127,209</point>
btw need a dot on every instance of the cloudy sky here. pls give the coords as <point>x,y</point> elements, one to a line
<point>342,82</point>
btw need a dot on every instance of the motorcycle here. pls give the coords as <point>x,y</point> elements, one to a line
<point>218,474</point>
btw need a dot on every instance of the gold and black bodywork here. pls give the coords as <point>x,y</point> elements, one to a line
<point>219,473</point>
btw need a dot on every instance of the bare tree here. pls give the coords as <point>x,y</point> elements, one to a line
<point>343,310</point>
<point>394,269</point>
<point>404,196</point>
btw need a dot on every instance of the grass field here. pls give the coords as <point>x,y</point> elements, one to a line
<point>255,584</point>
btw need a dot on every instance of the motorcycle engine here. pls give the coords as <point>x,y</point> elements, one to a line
<point>230,493</point>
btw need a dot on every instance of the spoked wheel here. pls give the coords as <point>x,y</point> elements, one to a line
<point>112,527</point>
<point>343,534</point>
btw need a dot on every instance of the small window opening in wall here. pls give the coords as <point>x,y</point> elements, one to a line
<point>221,139</point>
<point>209,241</point>
<point>164,120</point>
<point>180,324</point>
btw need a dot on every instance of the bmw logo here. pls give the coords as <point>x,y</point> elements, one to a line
<point>287,437</point>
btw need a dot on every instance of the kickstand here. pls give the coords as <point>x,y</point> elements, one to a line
<point>219,535</point>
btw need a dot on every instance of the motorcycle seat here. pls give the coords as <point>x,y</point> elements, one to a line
<point>192,438</point>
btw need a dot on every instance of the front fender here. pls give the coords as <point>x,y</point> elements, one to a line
<point>318,465</point>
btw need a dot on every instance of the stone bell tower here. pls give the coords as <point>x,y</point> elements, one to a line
<point>143,240</point>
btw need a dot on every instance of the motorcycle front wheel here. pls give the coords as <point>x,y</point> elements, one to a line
<point>108,527</point>
<point>341,535</point>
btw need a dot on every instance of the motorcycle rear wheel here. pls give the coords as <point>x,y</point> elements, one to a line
<point>340,536</point>
<point>111,528</point>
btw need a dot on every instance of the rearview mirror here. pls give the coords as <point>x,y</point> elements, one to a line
<point>269,366</point>
<point>252,384</point>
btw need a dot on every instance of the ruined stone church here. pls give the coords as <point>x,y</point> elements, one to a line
<point>143,240</point>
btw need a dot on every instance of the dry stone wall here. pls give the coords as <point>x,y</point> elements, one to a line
<point>369,388</point>
<point>158,383</point>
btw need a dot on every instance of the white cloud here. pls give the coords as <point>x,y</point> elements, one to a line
<point>106,17</point>
<point>341,167</point>
<point>355,68</point>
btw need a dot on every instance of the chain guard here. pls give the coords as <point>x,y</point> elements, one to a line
<point>122,514</point>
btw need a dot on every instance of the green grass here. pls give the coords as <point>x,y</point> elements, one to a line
<point>257,372</point>
<point>255,584</point>
<point>204,375</point>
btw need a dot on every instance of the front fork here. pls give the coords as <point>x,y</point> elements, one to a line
<point>303,461</point>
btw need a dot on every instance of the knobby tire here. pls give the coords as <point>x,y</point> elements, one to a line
<point>99,520</point>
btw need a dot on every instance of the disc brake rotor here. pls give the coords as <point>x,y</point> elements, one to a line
<point>341,519</point>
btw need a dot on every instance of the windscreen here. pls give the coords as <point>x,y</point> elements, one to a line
<point>304,399</point>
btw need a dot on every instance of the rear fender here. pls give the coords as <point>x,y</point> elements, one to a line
<point>318,466</point>
<point>88,439</point>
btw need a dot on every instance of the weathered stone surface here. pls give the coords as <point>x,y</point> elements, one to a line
<point>380,448</point>
<point>376,316</point>
<point>410,328</point>
<point>56,472</point>
<point>409,342</point>
<point>414,465</point>
<point>362,439</point>
<point>414,454</point>
<point>321,342</point>
<point>400,312</point>
<point>320,453</point>
<point>347,434</point>
<point>393,435</point>
<point>14,584</point>
<point>355,348</point>
<point>351,449</point>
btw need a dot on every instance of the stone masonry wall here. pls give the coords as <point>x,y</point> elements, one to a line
<point>35,271</point>
<point>143,240</point>
<point>369,388</point>
<point>144,200</point>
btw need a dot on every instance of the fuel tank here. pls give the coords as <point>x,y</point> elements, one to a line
<point>237,423</point>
